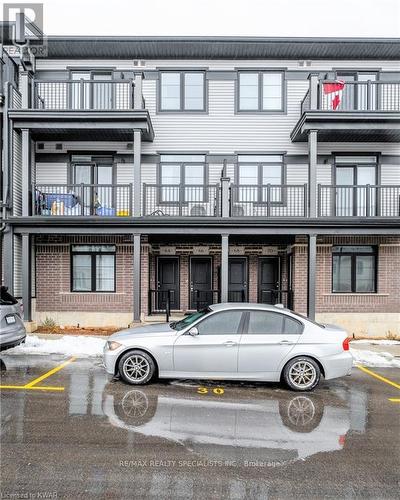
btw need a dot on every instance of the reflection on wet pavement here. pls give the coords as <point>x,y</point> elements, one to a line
<point>101,436</point>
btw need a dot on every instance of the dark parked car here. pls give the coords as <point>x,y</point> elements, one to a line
<point>12,329</point>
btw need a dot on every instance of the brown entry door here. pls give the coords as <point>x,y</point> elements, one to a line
<point>168,281</point>
<point>269,280</point>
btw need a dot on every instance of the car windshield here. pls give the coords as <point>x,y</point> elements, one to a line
<point>180,325</point>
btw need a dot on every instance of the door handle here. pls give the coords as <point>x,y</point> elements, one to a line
<point>230,343</point>
<point>285,342</point>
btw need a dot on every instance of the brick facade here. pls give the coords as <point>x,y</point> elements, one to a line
<point>387,298</point>
<point>53,274</point>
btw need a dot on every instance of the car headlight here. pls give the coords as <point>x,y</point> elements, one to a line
<point>112,345</point>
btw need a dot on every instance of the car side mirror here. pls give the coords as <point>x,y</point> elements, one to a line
<point>193,331</point>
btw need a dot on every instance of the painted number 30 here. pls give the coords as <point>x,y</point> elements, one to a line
<point>217,390</point>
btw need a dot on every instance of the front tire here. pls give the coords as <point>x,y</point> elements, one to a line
<point>302,374</point>
<point>136,367</point>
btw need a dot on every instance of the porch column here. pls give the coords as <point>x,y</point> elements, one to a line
<point>138,91</point>
<point>26,172</point>
<point>26,269</point>
<point>311,274</point>
<point>8,258</point>
<point>312,173</point>
<point>137,178</point>
<point>25,87</point>
<point>314,78</point>
<point>136,277</point>
<point>224,266</point>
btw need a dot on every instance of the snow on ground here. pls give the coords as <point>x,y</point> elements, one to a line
<point>376,342</point>
<point>82,346</point>
<point>378,359</point>
<point>86,346</point>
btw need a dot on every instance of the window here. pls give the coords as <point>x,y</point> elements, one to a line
<point>221,323</point>
<point>261,322</point>
<point>182,178</point>
<point>354,269</point>
<point>260,178</point>
<point>182,91</point>
<point>261,91</point>
<point>93,268</point>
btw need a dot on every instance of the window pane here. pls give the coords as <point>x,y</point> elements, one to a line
<point>194,91</point>
<point>105,273</point>
<point>194,177</point>
<point>248,177</point>
<point>93,248</point>
<point>365,273</point>
<point>261,322</point>
<point>341,273</point>
<point>170,177</point>
<point>272,174</point>
<point>182,158</point>
<point>272,91</point>
<point>260,158</point>
<point>248,174</point>
<point>194,174</point>
<point>291,326</point>
<point>170,174</point>
<point>82,273</point>
<point>220,323</point>
<point>248,91</point>
<point>170,91</point>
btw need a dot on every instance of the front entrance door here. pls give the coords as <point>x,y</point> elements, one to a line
<point>201,294</point>
<point>268,280</point>
<point>237,279</point>
<point>167,281</point>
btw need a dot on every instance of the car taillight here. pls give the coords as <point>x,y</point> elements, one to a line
<point>346,344</point>
<point>342,439</point>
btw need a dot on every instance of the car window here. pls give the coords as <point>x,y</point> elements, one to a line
<point>180,325</point>
<point>265,322</point>
<point>220,323</point>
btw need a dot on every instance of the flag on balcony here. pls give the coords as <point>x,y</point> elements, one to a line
<point>334,91</point>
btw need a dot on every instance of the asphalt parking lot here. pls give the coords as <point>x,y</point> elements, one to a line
<point>68,431</point>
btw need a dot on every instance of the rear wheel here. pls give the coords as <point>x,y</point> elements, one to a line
<point>302,374</point>
<point>136,367</point>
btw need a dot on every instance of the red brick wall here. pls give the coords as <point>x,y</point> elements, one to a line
<point>53,271</point>
<point>387,298</point>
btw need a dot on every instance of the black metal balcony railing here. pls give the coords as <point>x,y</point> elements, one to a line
<point>199,299</point>
<point>83,94</point>
<point>82,199</point>
<point>356,96</point>
<point>359,201</point>
<point>269,200</point>
<point>181,200</point>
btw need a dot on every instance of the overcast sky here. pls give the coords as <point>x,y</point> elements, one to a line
<point>361,18</point>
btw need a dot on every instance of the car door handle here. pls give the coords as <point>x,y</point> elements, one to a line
<point>230,343</point>
<point>286,342</point>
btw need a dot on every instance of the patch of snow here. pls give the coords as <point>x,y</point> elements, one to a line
<point>82,346</point>
<point>376,342</point>
<point>377,359</point>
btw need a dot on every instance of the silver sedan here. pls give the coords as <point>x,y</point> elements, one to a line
<point>233,341</point>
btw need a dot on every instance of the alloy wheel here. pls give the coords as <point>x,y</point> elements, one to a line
<point>302,374</point>
<point>136,368</point>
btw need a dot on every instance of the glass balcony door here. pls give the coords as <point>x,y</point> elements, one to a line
<point>352,197</point>
<point>96,191</point>
<point>91,90</point>
<point>356,93</point>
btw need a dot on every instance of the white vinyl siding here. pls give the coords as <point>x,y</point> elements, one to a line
<point>17,266</point>
<point>17,173</point>
<point>390,174</point>
<point>51,173</point>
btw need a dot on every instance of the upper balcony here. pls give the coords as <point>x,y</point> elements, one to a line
<point>81,109</point>
<point>350,111</point>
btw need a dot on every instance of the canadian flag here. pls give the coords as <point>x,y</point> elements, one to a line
<point>334,91</point>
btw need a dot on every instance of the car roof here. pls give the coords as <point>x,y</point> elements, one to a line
<point>246,305</point>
